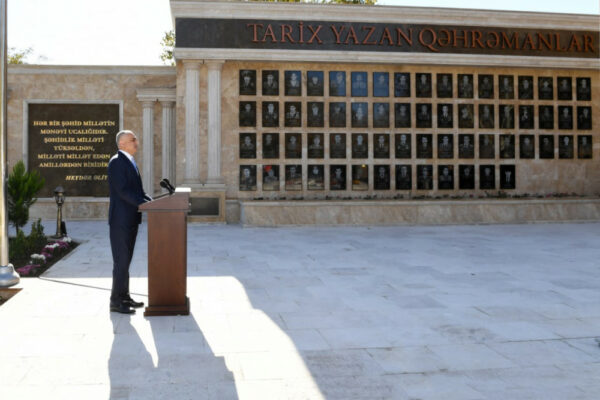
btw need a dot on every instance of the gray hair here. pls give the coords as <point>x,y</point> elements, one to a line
<point>123,133</point>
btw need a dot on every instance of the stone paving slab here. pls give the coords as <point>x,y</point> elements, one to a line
<point>452,312</point>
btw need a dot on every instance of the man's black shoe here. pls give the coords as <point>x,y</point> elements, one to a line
<point>122,308</point>
<point>132,303</point>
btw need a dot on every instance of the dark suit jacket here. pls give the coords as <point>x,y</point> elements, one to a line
<point>126,192</point>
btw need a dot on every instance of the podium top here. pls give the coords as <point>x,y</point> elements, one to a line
<point>178,201</point>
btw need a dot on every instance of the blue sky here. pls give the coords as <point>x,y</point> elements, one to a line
<point>128,32</point>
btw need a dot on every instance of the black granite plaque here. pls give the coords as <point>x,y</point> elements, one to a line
<point>423,85</point>
<point>270,83</point>
<point>337,145</point>
<point>444,85</point>
<point>381,177</point>
<point>337,177</point>
<point>546,120</point>
<point>293,113</point>
<point>247,113</point>
<point>293,145</point>
<point>247,177</point>
<point>507,146</point>
<point>270,145</point>
<point>247,145</point>
<point>584,89</point>
<point>401,84</point>
<point>359,84</point>
<point>445,146</point>
<point>466,145</point>
<point>360,177</point>
<point>316,177</point>
<point>293,177</point>
<point>565,117</point>
<point>360,145</point>
<point>545,89</point>
<point>465,86</point>
<point>403,177</point>
<point>402,115</point>
<point>315,118</point>
<point>584,118</point>
<point>565,146</point>
<point>525,117</point>
<point>584,146</point>
<point>270,177</point>
<point>526,87</point>
<point>337,115</point>
<point>316,145</point>
<point>424,115</point>
<point>381,115</point>
<point>466,177</point>
<point>424,145</point>
<point>486,116</point>
<point>526,146</point>
<point>270,114</point>
<point>506,87</point>
<point>360,115</point>
<point>424,177</point>
<point>445,118</point>
<point>507,116</point>
<point>465,116</point>
<point>546,146</point>
<point>508,177</point>
<point>486,146</point>
<point>445,177</point>
<point>314,86</point>
<point>564,88</point>
<point>381,84</point>
<point>293,83</point>
<point>487,177</point>
<point>381,145</point>
<point>337,83</point>
<point>403,145</point>
<point>486,86</point>
<point>248,82</point>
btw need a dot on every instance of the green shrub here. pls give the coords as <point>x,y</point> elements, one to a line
<point>37,240</point>
<point>18,249</point>
<point>22,187</point>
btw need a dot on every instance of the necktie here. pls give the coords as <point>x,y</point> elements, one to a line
<point>135,165</point>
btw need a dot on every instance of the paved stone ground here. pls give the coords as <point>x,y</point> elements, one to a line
<point>453,312</point>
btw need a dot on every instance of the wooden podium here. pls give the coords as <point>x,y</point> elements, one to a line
<point>167,254</point>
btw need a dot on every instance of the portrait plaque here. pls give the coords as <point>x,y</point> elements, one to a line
<point>270,114</point>
<point>248,82</point>
<point>466,145</point>
<point>247,113</point>
<point>293,113</point>
<point>584,118</point>
<point>584,89</point>
<point>402,115</point>
<point>337,83</point>
<point>466,177</point>
<point>526,146</point>
<point>584,146</point>
<point>403,177</point>
<point>487,177</point>
<point>507,146</point>
<point>444,116</point>
<point>359,84</point>
<point>314,86</point>
<point>381,177</point>
<point>486,146</point>
<point>423,84</point>
<point>424,145</point>
<point>381,145</point>
<point>270,178</point>
<point>360,115</point>
<point>316,145</point>
<point>337,177</point>
<point>381,84</point>
<point>270,145</point>
<point>293,177</point>
<point>486,116</point>
<point>424,177</point>
<point>381,115</point>
<point>315,118</point>
<point>547,146</point>
<point>337,145</point>
<point>337,115</point>
<point>316,177</point>
<point>545,88</point>
<point>507,116</point>
<point>270,83</point>
<point>401,84</point>
<point>445,177</point>
<point>465,116</point>
<point>293,83</point>
<point>293,145</point>
<point>423,115</point>
<point>564,88</point>
<point>247,177</point>
<point>444,85</point>
<point>565,117</point>
<point>525,117</point>
<point>506,87</point>
<point>360,145</point>
<point>247,145</point>
<point>465,86</point>
<point>445,146</point>
<point>526,87</point>
<point>565,146</point>
<point>486,86</point>
<point>507,177</point>
<point>546,117</point>
<point>360,177</point>
<point>403,145</point>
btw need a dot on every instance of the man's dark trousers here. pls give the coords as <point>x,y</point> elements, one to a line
<point>122,243</point>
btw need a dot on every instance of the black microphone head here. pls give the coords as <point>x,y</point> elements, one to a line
<point>163,185</point>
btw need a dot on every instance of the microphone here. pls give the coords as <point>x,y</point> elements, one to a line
<point>169,183</point>
<point>165,185</point>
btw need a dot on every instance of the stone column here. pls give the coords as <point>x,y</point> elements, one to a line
<point>148,146</point>
<point>192,122</point>
<point>168,140</point>
<point>214,121</point>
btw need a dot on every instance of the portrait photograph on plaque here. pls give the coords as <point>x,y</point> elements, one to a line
<point>424,145</point>
<point>584,118</point>
<point>526,146</point>
<point>444,116</point>
<point>402,115</point>
<point>423,115</point>
<point>337,145</point>
<point>403,145</point>
<point>525,117</point>
<point>270,145</point>
<point>424,177</point>
<point>486,146</point>
<point>445,177</point>
<point>508,177</point>
<point>270,114</point>
<point>293,113</point>
<point>247,145</point>
<point>316,145</point>
<point>565,146</point>
<point>403,177</point>
<point>486,86</point>
<point>360,177</point>
<point>486,116</point>
<point>546,120</point>
<point>381,145</point>
<point>487,177</point>
<point>466,177</point>
<point>247,177</point>
<point>584,89</point>
<point>337,83</point>
<point>465,86</point>
<point>445,147</point>
<point>565,117</point>
<point>315,117</point>
<point>381,177</point>
<point>314,85</point>
<point>507,146</point>
<point>525,87</point>
<point>358,83</point>
<point>547,146</point>
<point>466,145</point>
<point>270,83</point>
<point>545,88</point>
<point>293,83</point>
<point>584,146</point>
<point>444,85</point>
<point>293,145</point>
<point>564,88</point>
<point>293,177</point>
<point>247,113</point>
<point>248,82</point>
<point>506,87</point>
<point>360,145</point>
<point>337,115</point>
<point>401,84</point>
<point>337,177</point>
<point>423,85</point>
<point>465,116</point>
<point>381,115</point>
<point>507,116</point>
<point>316,177</point>
<point>270,178</point>
<point>360,115</point>
<point>381,84</point>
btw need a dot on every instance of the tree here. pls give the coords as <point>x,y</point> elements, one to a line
<point>18,56</point>
<point>22,187</point>
<point>168,44</point>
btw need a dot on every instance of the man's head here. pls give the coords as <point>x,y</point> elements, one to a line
<point>127,141</point>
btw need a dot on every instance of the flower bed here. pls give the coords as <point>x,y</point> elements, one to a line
<point>53,251</point>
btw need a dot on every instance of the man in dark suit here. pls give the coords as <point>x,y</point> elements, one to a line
<point>126,194</point>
